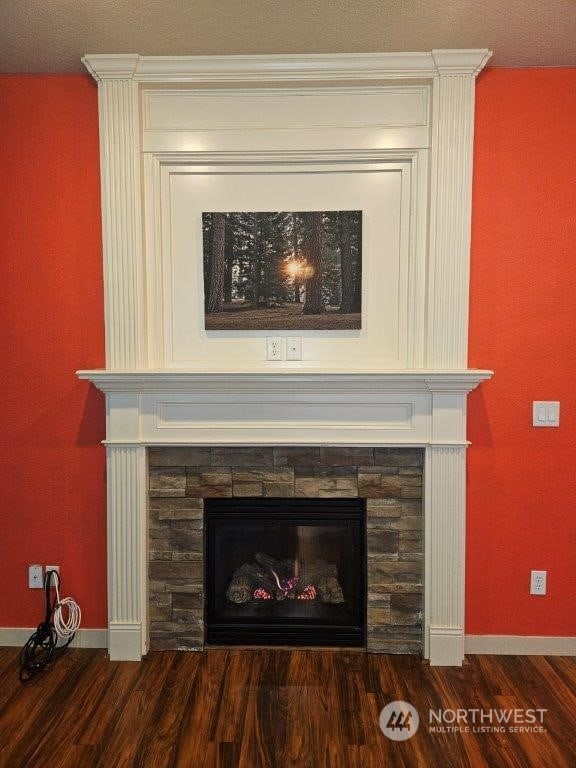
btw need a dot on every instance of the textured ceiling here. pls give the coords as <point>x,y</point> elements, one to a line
<point>52,35</point>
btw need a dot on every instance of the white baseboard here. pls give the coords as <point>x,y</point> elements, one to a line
<point>520,645</point>
<point>85,638</point>
<point>446,647</point>
<point>495,645</point>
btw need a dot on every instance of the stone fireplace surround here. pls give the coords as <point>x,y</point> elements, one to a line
<point>390,479</point>
<point>402,383</point>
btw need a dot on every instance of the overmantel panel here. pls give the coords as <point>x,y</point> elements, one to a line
<point>448,76</point>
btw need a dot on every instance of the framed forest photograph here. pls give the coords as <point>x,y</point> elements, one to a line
<point>282,270</point>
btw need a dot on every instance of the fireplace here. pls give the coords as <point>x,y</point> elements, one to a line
<point>285,571</point>
<point>183,135</point>
<point>221,519</point>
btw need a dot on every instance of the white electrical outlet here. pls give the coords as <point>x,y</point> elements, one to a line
<point>53,580</point>
<point>35,577</point>
<point>538,582</point>
<point>274,347</point>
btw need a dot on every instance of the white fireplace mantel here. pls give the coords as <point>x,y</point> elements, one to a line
<point>403,381</point>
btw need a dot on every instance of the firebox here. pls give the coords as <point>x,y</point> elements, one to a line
<point>285,571</point>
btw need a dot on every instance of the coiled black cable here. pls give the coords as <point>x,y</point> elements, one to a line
<point>42,646</point>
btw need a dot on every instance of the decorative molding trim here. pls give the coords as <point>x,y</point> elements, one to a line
<point>450,217</point>
<point>451,61</point>
<point>286,381</point>
<point>119,66</point>
<point>127,542</point>
<point>445,506</point>
<point>85,638</point>
<point>346,66</point>
<point>126,640</point>
<point>121,222</point>
<point>520,645</point>
<point>446,647</point>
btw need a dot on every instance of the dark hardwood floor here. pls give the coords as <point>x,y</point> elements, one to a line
<point>277,709</point>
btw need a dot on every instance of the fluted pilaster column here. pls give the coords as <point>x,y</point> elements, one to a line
<point>121,210</point>
<point>127,577</point>
<point>446,506</point>
<point>450,207</point>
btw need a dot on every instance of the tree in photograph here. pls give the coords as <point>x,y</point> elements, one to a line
<point>275,251</point>
<point>206,249</point>
<point>331,276</point>
<point>255,261</point>
<point>296,259</point>
<point>241,226</point>
<point>314,304</point>
<point>216,264</point>
<point>229,257</point>
<point>356,244</point>
<point>346,263</point>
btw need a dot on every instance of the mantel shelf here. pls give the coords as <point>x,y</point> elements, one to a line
<point>285,380</point>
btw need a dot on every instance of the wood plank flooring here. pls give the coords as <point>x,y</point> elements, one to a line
<point>277,709</point>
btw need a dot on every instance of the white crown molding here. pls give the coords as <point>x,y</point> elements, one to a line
<point>469,61</point>
<point>118,66</point>
<point>298,67</point>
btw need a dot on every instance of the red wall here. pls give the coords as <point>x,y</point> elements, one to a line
<point>520,497</point>
<point>521,489</point>
<point>52,493</point>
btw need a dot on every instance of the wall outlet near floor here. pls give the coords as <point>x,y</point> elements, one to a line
<point>538,582</point>
<point>53,579</point>
<point>35,577</point>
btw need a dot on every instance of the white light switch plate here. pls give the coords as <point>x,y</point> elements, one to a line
<point>546,413</point>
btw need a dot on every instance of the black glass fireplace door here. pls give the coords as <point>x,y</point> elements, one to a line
<point>285,571</point>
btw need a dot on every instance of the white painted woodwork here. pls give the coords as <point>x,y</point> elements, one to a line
<point>520,645</point>
<point>181,135</point>
<point>121,222</point>
<point>450,200</point>
<point>127,481</point>
<point>265,108</point>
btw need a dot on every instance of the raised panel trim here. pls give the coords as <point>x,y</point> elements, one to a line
<point>285,108</point>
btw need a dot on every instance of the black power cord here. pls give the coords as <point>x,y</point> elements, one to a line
<point>42,647</point>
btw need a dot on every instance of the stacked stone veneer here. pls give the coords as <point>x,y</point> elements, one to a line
<point>390,479</point>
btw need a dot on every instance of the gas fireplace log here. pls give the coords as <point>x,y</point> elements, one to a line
<point>278,579</point>
<point>324,576</point>
<point>239,589</point>
<point>245,580</point>
<point>284,569</point>
<point>330,590</point>
<point>314,571</point>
